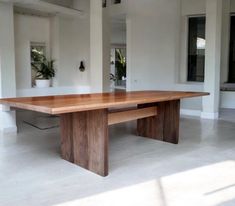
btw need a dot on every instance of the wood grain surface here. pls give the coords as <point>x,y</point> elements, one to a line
<point>62,104</point>
<point>165,125</point>
<point>130,115</point>
<point>84,140</point>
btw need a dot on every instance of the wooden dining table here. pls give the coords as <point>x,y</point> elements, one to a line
<point>85,118</point>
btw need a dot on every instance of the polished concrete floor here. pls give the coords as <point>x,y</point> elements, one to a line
<point>143,172</point>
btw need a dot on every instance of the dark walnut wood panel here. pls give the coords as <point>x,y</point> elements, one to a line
<point>165,125</point>
<point>84,140</point>
<point>74,103</point>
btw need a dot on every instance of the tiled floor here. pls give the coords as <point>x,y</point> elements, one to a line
<point>199,171</point>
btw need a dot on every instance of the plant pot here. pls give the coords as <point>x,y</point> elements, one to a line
<point>112,84</point>
<point>43,83</point>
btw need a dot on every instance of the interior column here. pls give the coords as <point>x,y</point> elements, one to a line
<point>212,58</point>
<point>7,66</point>
<point>106,50</point>
<point>96,45</point>
<point>84,139</point>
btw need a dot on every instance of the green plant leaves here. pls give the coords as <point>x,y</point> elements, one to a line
<point>44,68</point>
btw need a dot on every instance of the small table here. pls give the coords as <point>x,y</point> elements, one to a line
<point>84,120</point>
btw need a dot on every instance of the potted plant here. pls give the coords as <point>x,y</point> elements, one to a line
<point>112,80</point>
<point>120,65</point>
<point>44,69</point>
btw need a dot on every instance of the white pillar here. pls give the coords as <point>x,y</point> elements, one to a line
<point>106,51</point>
<point>128,53</point>
<point>99,47</point>
<point>212,58</point>
<point>96,46</point>
<point>55,46</point>
<point>7,66</point>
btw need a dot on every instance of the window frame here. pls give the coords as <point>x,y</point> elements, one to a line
<point>187,47</point>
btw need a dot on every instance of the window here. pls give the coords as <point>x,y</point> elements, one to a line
<point>41,49</point>
<point>196,48</point>
<point>120,66</point>
<point>231,75</point>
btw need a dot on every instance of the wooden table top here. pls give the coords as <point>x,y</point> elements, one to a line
<point>61,104</point>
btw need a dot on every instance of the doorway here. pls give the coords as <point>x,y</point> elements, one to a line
<point>118,68</point>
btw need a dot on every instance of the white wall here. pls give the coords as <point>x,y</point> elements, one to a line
<point>192,7</point>
<point>153,48</point>
<point>67,41</point>
<point>74,47</point>
<point>154,27</point>
<point>118,32</point>
<point>232,6</point>
<point>227,99</point>
<point>66,3</point>
<point>28,29</point>
<point>147,33</point>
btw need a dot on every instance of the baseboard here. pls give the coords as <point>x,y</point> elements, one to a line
<point>52,91</point>
<point>198,113</point>
<point>190,112</point>
<point>8,122</point>
<point>210,115</point>
<point>6,130</point>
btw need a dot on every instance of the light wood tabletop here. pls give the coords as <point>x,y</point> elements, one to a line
<point>61,104</point>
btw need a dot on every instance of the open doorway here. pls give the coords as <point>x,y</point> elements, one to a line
<point>118,74</point>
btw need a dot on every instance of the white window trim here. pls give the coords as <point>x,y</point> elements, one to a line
<point>184,50</point>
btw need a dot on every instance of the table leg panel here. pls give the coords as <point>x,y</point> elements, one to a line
<point>66,126</point>
<point>98,141</point>
<point>84,138</point>
<point>80,139</point>
<point>164,126</point>
<point>171,121</point>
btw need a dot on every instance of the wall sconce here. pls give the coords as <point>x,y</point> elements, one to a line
<point>82,67</point>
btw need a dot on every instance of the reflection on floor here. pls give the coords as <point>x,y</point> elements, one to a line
<point>43,122</point>
<point>199,171</point>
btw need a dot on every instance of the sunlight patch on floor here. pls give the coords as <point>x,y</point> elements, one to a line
<point>212,185</point>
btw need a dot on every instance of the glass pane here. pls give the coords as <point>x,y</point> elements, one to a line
<point>196,48</point>
<point>231,75</point>
<point>39,48</point>
<point>120,66</point>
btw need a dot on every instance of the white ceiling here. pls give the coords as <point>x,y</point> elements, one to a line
<point>44,8</point>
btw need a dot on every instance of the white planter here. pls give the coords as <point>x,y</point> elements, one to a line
<point>43,83</point>
<point>112,84</point>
